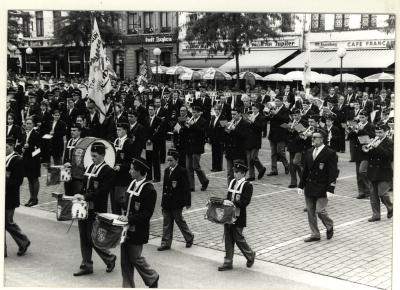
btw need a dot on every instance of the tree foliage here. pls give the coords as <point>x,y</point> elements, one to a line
<point>230,33</point>
<point>14,27</point>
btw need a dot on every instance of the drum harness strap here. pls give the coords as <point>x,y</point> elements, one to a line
<point>131,194</point>
<point>71,145</point>
<point>8,161</point>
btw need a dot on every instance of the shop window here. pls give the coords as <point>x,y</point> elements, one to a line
<point>148,22</point>
<point>165,25</point>
<point>317,22</point>
<point>342,21</point>
<point>287,24</point>
<point>368,21</point>
<point>165,58</point>
<point>118,62</point>
<point>116,23</point>
<point>25,27</point>
<point>134,22</point>
<point>39,23</point>
<point>74,62</point>
<point>31,64</point>
<point>45,64</point>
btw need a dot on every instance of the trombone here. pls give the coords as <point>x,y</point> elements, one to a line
<point>374,143</point>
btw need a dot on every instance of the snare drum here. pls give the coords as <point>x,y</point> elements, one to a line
<point>219,213</point>
<point>79,209</point>
<point>81,158</point>
<point>57,174</point>
<point>108,231</point>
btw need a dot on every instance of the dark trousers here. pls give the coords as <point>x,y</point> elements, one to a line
<point>234,235</point>
<point>131,258</point>
<point>117,197</point>
<point>192,166</point>
<point>182,158</point>
<point>253,161</point>
<point>380,192</point>
<point>342,140</point>
<point>85,235</point>
<point>14,230</point>
<point>73,186</point>
<point>294,166</point>
<point>45,150</point>
<point>162,151</point>
<point>153,158</point>
<point>57,159</point>
<point>229,170</point>
<point>363,183</point>
<point>217,155</point>
<point>33,183</point>
<point>265,130</point>
<point>169,216</point>
<point>351,148</point>
<point>317,206</point>
<point>277,154</point>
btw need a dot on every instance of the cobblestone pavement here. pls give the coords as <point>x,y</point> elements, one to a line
<point>359,252</point>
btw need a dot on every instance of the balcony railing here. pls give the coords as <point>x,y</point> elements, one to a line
<point>165,29</point>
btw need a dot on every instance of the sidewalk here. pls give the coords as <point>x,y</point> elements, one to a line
<point>360,252</point>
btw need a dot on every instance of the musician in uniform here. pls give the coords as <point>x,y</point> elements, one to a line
<point>216,139</point>
<point>380,172</point>
<point>31,159</point>
<point>333,138</point>
<point>154,132</point>
<point>58,132</point>
<point>136,133</point>
<point>14,131</point>
<point>179,135</point>
<point>176,195</point>
<point>364,128</point>
<point>93,121</point>
<point>14,178</point>
<point>97,183</point>
<point>140,200</point>
<point>342,112</point>
<point>161,113</point>
<point>318,182</point>
<point>240,192</point>
<point>75,184</point>
<point>124,154</point>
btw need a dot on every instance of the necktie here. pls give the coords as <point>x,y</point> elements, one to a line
<point>315,153</point>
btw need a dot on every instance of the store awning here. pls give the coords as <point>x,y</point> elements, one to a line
<point>258,60</point>
<point>200,63</point>
<point>353,59</point>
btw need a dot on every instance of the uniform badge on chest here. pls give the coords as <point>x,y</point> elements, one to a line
<point>321,166</point>
<point>122,155</point>
<point>137,206</point>
<point>174,183</point>
<point>95,184</point>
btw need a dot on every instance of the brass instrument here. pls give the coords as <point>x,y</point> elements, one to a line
<point>307,133</point>
<point>373,144</point>
<point>230,126</point>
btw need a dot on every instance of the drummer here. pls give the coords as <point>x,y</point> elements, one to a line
<point>75,184</point>
<point>97,183</point>
<point>141,207</point>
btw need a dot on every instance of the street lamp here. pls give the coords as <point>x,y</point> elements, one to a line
<point>341,52</point>
<point>28,51</point>
<point>157,52</point>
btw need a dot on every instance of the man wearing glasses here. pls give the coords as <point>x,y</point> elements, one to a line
<point>318,182</point>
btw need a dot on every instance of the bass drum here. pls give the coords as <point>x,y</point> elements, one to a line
<point>81,158</point>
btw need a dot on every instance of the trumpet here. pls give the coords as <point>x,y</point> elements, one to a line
<point>374,143</point>
<point>231,126</point>
<point>188,122</point>
<point>307,133</point>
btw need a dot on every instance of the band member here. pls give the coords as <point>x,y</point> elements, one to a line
<point>97,183</point>
<point>342,112</point>
<point>216,139</point>
<point>333,134</point>
<point>254,140</point>
<point>79,103</point>
<point>195,129</point>
<point>75,184</point>
<point>364,128</point>
<point>14,131</point>
<point>31,158</point>
<point>295,147</point>
<point>58,131</point>
<point>136,133</point>
<point>382,101</point>
<point>176,196</point>
<point>366,104</point>
<point>240,192</point>
<point>14,178</point>
<point>93,121</point>
<point>205,104</point>
<point>84,131</point>
<point>71,115</point>
<point>277,136</point>
<point>380,172</point>
<point>154,132</point>
<point>162,113</point>
<point>179,135</point>
<point>123,151</point>
<point>140,200</point>
<point>307,134</point>
<point>317,182</point>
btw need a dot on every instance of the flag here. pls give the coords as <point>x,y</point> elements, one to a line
<point>100,72</point>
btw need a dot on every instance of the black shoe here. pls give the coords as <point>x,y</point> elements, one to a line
<point>111,265</point>
<point>225,267</point>
<point>190,243</point>
<point>192,190</point>
<point>204,185</point>
<point>287,170</point>
<point>250,263</point>
<point>390,214</point>
<point>361,196</point>
<point>272,173</point>
<point>23,250</point>
<point>351,161</point>
<point>261,173</point>
<point>312,239</point>
<point>155,284</point>
<point>374,219</point>
<point>250,179</point>
<point>31,203</point>
<point>28,203</point>
<point>84,271</point>
<point>292,186</point>
<point>329,233</point>
<point>163,248</point>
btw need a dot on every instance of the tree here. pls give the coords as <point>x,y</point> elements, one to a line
<point>76,29</point>
<point>230,32</point>
<point>14,28</point>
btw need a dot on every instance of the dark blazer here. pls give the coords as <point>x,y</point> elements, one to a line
<point>99,187</point>
<point>319,175</point>
<point>226,111</point>
<point>242,202</point>
<point>378,103</point>
<point>154,131</point>
<point>14,178</point>
<point>351,100</point>
<point>238,101</point>
<point>140,213</point>
<point>137,134</point>
<point>294,142</point>
<point>176,192</point>
<point>216,133</point>
<point>31,164</point>
<point>342,114</point>
<point>194,143</point>
<point>44,120</point>
<point>367,107</point>
<point>369,129</point>
<point>276,132</point>
<point>380,162</point>
<point>15,132</point>
<point>254,138</point>
<point>80,106</point>
<point>205,107</point>
<point>235,141</point>
<point>93,126</point>
<point>123,158</point>
<point>71,116</point>
<point>335,137</point>
<point>57,142</point>
<point>68,151</point>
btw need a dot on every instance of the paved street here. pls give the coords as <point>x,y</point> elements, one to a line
<point>359,254</point>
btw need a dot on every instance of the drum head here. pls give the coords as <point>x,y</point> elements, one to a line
<point>109,157</point>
